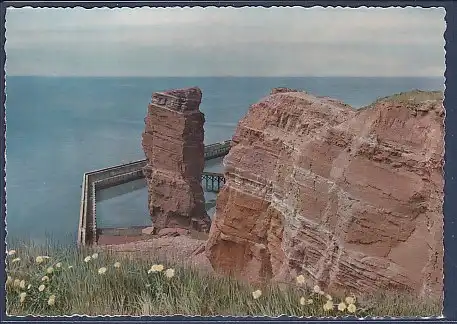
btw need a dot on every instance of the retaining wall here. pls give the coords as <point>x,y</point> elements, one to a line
<point>116,175</point>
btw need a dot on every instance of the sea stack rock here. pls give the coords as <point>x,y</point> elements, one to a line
<point>174,149</point>
<point>352,199</point>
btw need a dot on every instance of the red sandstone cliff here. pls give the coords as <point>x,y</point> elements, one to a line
<point>351,199</point>
<point>173,145</point>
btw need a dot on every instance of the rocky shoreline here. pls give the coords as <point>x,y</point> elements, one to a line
<point>351,199</point>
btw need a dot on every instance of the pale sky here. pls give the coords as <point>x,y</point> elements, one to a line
<point>212,41</point>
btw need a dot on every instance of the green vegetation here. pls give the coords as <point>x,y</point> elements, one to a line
<point>409,97</point>
<point>415,95</point>
<point>65,281</point>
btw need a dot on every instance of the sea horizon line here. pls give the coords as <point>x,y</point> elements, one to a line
<point>225,77</point>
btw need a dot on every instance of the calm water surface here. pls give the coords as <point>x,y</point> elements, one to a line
<point>59,128</point>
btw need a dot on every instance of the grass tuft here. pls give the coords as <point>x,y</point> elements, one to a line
<point>111,285</point>
<point>414,97</point>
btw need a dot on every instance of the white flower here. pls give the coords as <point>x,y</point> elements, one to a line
<point>58,264</point>
<point>52,300</point>
<point>316,289</point>
<point>50,270</point>
<point>328,305</point>
<point>102,270</point>
<point>11,252</point>
<point>169,273</point>
<point>45,278</point>
<point>342,307</point>
<point>352,308</point>
<point>87,259</point>
<point>349,300</point>
<point>156,268</point>
<point>39,259</point>
<point>117,264</point>
<point>22,284</point>
<point>41,287</point>
<point>256,294</point>
<point>22,296</point>
<point>95,256</point>
<point>16,260</point>
<point>301,279</point>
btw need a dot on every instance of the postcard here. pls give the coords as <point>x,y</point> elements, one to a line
<point>208,161</point>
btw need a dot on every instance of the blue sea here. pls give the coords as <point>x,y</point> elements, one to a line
<point>58,128</point>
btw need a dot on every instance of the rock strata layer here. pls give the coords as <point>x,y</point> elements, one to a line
<point>174,149</point>
<point>350,198</point>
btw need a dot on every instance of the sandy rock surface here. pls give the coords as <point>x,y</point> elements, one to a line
<point>184,250</point>
<point>173,145</point>
<point>350,198</point>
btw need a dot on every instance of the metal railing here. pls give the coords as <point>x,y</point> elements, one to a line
<point>106,177</point>
<point>213,181</point>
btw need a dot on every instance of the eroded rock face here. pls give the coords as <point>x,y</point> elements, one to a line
<point>173,145</point>
<point>351,199</point>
